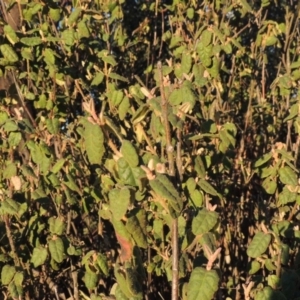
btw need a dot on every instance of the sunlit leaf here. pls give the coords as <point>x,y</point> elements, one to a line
<point>203,284</point>
<point>119,202</point>
<point>56,248</point>
<point>39,256</point>
<point>94,139</point>
<point>259,244</point>
<point>204,221</point>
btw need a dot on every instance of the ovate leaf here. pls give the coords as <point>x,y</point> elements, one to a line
<point>134,227</point>
<point>39,256</point>
<point>102,263</point>
<point>8,53</point>
<point>259,244</point>
<point>129,153</point>
<point>269,185</point>
<point>203,284</point>
<point>56,248</point>
<point>7,274</point>
<point>94,139</point>
<point>90,279</point>
<point>268,293</point>
<point>118,201</point>
<point>265,158</point>
<point>57,225</point>
<point>128,175</point>
<point>288,176</point>
<point>97,79</point>
<point>74,16</point>
<point>9,206</point>
<point>204,221</point>
<point>10,34</point>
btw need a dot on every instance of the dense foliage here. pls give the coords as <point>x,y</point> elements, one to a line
<point>126,125</point>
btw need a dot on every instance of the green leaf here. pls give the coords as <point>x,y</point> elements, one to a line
<point>10,126</point>
<point>117,77</point>
<point>134,227</point>
<point>117,97</point>
<point>269,185</point>
<point>83,30</point>
<point>68,36</point>
<point>49,56</point>
<point>273,281</point>
<point>31,41</point>
<point>58,165</point>
<point>163,187</point>
<point>9,206</point>
<point>102,263</point>
<point>203,284</point>
<point>122,283</point>
<point>74,16</point>
<point>28,172</point>
<point>197,198</point>
<point>18,279</point>
<point>71,184</point>
<point>119,201</point>
<point>286,196</point>
<point>10,34</point>
<point>268,293</point>
<point>39,256</point>
<point>133,283</point>
<point>190,13</point>
<point>10,171</point>
<point>129,153</point>
<point>56,225</point>
<point>200,167</point>
<point>14,290</point>
<point>94,139</point>
<point>206,37</point>
<point>259,244</point>
<point>119,294</point>
<point>265,158</point>
<point>128,175</point>
<point>90,280</point>
<point>97,79</point>
<point>54,14</point>
<point>269,264</point>
<point>288,176</point>
<point>7,274</point>
<point>204,221</point>
<point>53,125</point>
<point>184,94</point>
<point>207,187</point>
<point>8,53</point>
<point>56,248</point>
<point>124,108</point>
<point>254,267</point>
<point>109,59</point>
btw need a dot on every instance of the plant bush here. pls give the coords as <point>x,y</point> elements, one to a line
<point>138,133</point>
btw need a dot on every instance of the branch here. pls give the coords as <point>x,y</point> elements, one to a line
<point>170,150</point>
